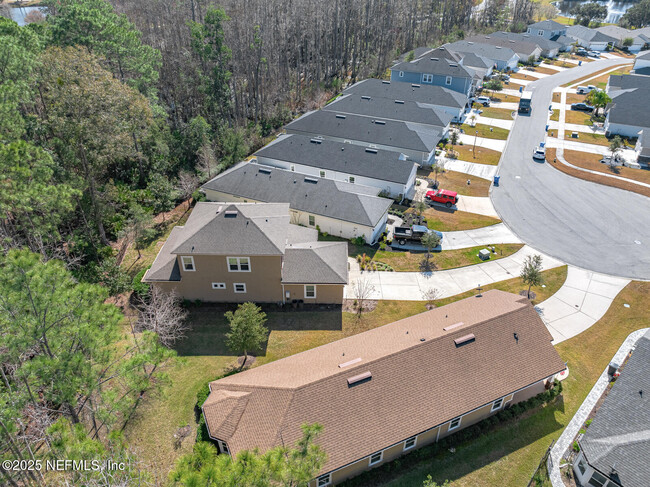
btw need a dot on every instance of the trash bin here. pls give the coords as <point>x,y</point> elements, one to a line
<point>521,89</point>
<point>546,128</point>
<point>496,180</point>
<point>579,63</point>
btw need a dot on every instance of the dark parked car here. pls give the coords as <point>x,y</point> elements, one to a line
<point>582,106</point>
<point>414,233</point>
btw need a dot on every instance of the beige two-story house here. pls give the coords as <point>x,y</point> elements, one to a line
<point>237,252</point>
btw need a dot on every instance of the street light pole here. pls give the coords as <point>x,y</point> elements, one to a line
<point>474,150</point>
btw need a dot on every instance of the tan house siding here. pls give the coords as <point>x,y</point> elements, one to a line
<point>528,392</point>
<point>263,283</point>
<point>325,293</point>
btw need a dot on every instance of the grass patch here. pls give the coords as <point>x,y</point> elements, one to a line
<point>523,74</point>
<point>447,220</point>
<point>601,81</point>
<point>587,138</point>
<point>483,155</point>
<point>491,112</point>
<point>577,117</point>
<point>595,178</point>
<point>555,116</point>
<point>575,98</point>
<point>446,259</point>
<point>557,97</point>
<point>603,75</point>
<point>543,70</point>
<point>486,131</point>
<point>457,181</point>
<point>592,162</point>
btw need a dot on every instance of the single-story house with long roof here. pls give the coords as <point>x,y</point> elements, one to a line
<point>548,47</point>
<point>228,252</point>
<point>547,29</point>
<point>629,111</point>
<point>392,389</point>
<point>448,100</point>
<point>615,448</point>
<point>416,141</point>
<point>642,64</point>
<point>341,209</point>
<point>590,38</point>
<point>524,48</point>
<point>639,39</point>
<point>503,58</point>
<point>385,170</point>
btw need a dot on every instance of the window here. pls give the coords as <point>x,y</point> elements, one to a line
<point>375,458</point>
<point>427,78</point>
<point>324,480</point>
<point>218,285</point>
<point>528,31</point>
<point>540,33</point>
<point>310,291</point>
<point>322,174</point>
<point>223,448</point>
<point>401,74</point>
<point>188,263</point>
<point>581,467</point>
<point>448,80</point>
<point>497,404</point>
<point>410,443</point>
<point>352,179</point>
<point>597,480</point>
<point>454,423</point>
<point>293,167</point>
<point>312,220</point>
<point>240,287</point>
<point>239,264</point>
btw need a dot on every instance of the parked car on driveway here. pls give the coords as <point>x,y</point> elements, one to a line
<point>618,160</point>
<point>593,54</point>
<point>581,52</point>
<point>447,198</point>
<point>582,106</point>
<point>583,90</point>
<point>483,100</point>
<point>413,234</point>
<point>539,153</point>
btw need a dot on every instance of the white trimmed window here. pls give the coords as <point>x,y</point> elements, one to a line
<point>223,448</point>
<point>239,287</point>
<point>310,291</point>
<point>427,78</point>
<point>324,480</point>
<point>454,423</point>
<point>312,220</point>
<point>597,480</point>
<point>401,74</point>
<point>376,458</point>
<point>581,467</point>
<point>497,404</point>
<point>448,80</point>
<point>351,179</point>
<point>540,33</point>
<point>410,442</point>
<point>322,174</point>
<point>239,264</point>
<point>218,285</point>
<point>188,263</point>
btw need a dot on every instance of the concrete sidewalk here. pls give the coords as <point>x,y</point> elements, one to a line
<point>552,66</point>
<point>505,104</point>
<point>582,300</point>
<point>574,127</point>
<point>495,122</point>
<point>483,171</point>
<point>492,235</point>
<point>494,144</point>
<point>477,204</point>
<point>409,286</point>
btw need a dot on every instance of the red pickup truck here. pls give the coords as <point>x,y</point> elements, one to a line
<point>447,198</point>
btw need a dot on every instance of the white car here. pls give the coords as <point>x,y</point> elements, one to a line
<point>539,153</point>
<point>483,100</point>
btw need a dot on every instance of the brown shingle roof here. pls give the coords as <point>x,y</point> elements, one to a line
<point>420,378</point>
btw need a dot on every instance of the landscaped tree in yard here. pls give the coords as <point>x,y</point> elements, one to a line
<point>494,85</point>
<point>429,241</point>
<point>436,168</point>
<point>453,137</point>
<point>420,207</point>
<point>531,272</point>
<point>430,295</point>
<point>162,313</point>
<point>598,99</point>
<point>615,146</point>
<point>362,290</point>
<point>247,331</point>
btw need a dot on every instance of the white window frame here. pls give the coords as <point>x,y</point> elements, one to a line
<point>427,78</point>
<point>234,287</point>
<point>322,174</point>
<point>381,457</point>
<point>415,441</point>
<point>401,74</point>
<point>459,419</point>
<point>218,285</point>
<point>324,480</point>
<point>494,404</point>
<point>239,264</point>
<point>310,285</point>
<point>448,80</point>
<point>540,32</point>
<point>351,179</point>
<point>311,219</point>
<point>183,257</point>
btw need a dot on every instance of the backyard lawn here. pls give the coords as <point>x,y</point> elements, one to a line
<point>509,454</point>
<point>491,112</point>
<point>587,138</point>
<point>483,155</point>
<point>446,259</point>
<point>486,131</point>
<point>457,181</point>
<point>448,220</point>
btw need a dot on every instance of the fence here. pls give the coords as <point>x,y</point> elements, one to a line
<point>540,476</point>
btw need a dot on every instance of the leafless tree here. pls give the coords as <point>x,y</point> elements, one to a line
<point>34,17</point>
<point>207,161</point>
<point>5,10</point>
<point>362,290</point>
<point>430,295</point>
<point>163,314</point>
<point>187,184</point>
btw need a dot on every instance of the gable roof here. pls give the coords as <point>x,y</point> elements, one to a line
<point>619,435</point>
<point>628,82</point>
<point>645,55</point>
<point>316,263</point>
<point>399,110</point>
<point>398,134</point>
<point>630,107</point>
<point>426,94</point>
<point>587,34</point>
<point>380,164</point>
<point>543,42</point>
<point>412,362</point>
<point>547,25</point>
<point>522,47</point>
<point>495,53</point>
<point>318,196</point>
<point>621,33</point>
<point>435,63</point>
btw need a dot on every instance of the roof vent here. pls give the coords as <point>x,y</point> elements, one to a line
<point>453,65</point>
<point>371,151</point>
<point>315,141</point>
<point>311,180</point>
<point>365,97</point>
<point>401,102</point>
<point>455,325</point>
<point>464,340</point>
<point>230,214</point>
<point>512,41</point>
<point>415,85</point>
<point>264,171</point>
<point>384,82</point>
<point>470,43</point>
<point>498,47</point>
<point>359,379</point>
<point>351,362</point>
<point>340,116</point>
<point>380,122</point>
<point>435,59</point>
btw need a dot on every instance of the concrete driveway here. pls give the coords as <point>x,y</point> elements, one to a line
<point>588,225</point>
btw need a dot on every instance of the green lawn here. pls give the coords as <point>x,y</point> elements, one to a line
<point>509,455</point>
<point>483,155</point>
<point>448,220</point>
<point>491,112</point>
<point>587,138</point>
<point>446,259</point>
<point>555,117</point>
<point>486,131</point>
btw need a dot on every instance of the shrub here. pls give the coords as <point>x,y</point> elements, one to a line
<point>140,288</point>
<point>576,447</point>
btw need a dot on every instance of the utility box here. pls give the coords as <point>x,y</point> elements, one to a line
<point>484,254</point>
<point>574,135</point>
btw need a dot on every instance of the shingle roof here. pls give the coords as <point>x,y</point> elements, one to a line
<point>385,109</point>
<point>434,63</point>
<point>486,50</point>
<point>645,55</point>
<point>432,95</point>
<point>305,193</point>
<point>547,25</point>
<point>328,155</point>
<point>619,435</point>
<point>316,263</point>
<point>628,81</point>
<point>587,34</point>
<point>419,379</point>
<point>542,42</point>
<point>522,47</point>
<point>619,33</point>
<point>165,266</point>
<point>400,135</point>
<point>630,107</point>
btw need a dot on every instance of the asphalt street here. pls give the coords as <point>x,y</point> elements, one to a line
<point>588,225</point>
